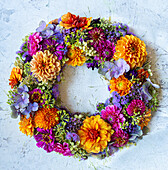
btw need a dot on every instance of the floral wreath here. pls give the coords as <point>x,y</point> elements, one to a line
<point>120,57</point>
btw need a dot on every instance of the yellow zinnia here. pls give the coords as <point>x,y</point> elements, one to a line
<point>94,134</point>
<point>132,50</point>
<point>76,57</point>
<point>27,125</point>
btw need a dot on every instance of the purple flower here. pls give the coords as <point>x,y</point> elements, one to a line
<point>55,91</point>
<point>24,52</point>
<point>45,139</point>
<point>130,74</point>
<point>54,47</point>
<point>105,50</point>
<point>96,35</point>
<point>135,132</point>
<point>72,136</point>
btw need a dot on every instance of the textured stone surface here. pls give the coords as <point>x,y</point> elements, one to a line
<point>84,88</point>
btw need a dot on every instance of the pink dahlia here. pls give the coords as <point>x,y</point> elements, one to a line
<point>63,148</point>
<point>136,107</point>
<point>33,43</point>
<point>119,138</point>
<point>113,115</point>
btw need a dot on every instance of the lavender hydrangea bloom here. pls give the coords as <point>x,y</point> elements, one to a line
<point>22,103</point>
<point>115,69</point>
<point>50,30</point>
<point>55,91</point>
<point>135,133</point>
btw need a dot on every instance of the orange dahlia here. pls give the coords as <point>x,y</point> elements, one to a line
<point>121,85</point>
<point>72,21</point>
<point>94,134</point>
<point>76,57</point>
<point>45,66</point>
<point>132,50</point>
<point>46,118</point>
<point>145,119</point>
<point>27,125</point>
<point>15,77</point>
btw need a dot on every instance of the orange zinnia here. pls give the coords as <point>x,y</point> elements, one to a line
<point>76,57</point>
<point>145,119</point>
<point>132,50</point>
<point>46,118</point>
<point>27,125</point>
<point>121,85</point>
<point>142,73</point>
<point>15,77</point>
<point>94,134</point>
<point>72,21</point>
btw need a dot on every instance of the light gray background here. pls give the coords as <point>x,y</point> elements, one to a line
<point>84,88</point>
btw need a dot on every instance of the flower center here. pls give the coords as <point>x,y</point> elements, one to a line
<point>36,96</point>
<point>93,134</point>
<point>46,138</point>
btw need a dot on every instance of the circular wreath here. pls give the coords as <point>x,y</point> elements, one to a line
<point>120,57</point>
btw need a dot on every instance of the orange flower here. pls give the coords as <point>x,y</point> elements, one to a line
<point>15,77</point>
<point>72,21</point>
<point>94,134</point>
<point>46,118</point>
<point>26,125</point>
<point>145,119</point>
<point>121,85</point>
<point>132,50</point>
<point>142,73</point>
<point>45,66</point>
<point>76,57</point>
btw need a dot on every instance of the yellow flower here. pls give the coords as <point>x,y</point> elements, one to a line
<point>132,50</point>
<point>94,134</point>
<point>15,77</point>
<point>46,118</point>
<point>27,125</point>
<point>45,66</point>
<point>76,57</point>
<point>121,85</point>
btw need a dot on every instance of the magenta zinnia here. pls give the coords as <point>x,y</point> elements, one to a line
<point>114,116</point>
<point>45,139</point>
<point>136,107</point>
<point>120,138</point>
<point>105,50</point>
<point>33,43</point>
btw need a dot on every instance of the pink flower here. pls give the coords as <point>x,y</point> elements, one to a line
<point>120,138</point>
<point>136,107</point>
<point>113,115</point>
<point>63,148</point>
<point>33,43</point>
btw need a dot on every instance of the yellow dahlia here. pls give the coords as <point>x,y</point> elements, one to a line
<point>45,66</point>
<point>94,134</point>
<point>27,125</point>
<point>132,50</point>
<point>145,119</point>
<point>15,77</point>
<point>121,85</point>
<point>46,118</point>
<point>76,57</point>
